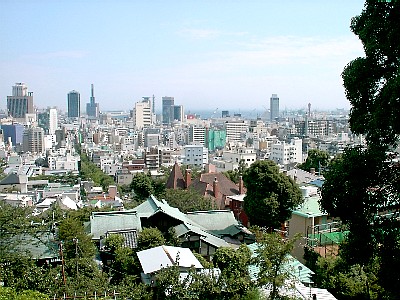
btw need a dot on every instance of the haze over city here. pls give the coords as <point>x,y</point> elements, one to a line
<point>230,54</point>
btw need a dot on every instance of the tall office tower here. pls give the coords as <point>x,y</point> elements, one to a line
<point>74,104</point>
<point>21,101</point>
<point>92,108</point>
<point>53,120</point>
<point>178,113</point>
<point>142,113</point>
<point>33,140</point>
<point>274,107</point>
<point>167,110</point>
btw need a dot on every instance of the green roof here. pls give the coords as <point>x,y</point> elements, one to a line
<point>295,268</point>
<point>213,220</point>
<point>41,246</point>
<point>206,237</point>
<point>310,208</point>
<point>101,222</point>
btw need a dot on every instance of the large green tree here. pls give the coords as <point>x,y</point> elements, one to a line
<point>363,184</point>
<point>316,159</point>
<point>271,195</point>
<point>372,82</point>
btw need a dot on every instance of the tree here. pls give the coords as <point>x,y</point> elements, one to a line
<point>271,195</point>
<point>316,159</point>
<point>372,83</point>
<point>234,264</point>
<point>188,200</point>
<point>234,175</point>
<point>149,238</point>
<point>142,185</point>
<point>272,255</point>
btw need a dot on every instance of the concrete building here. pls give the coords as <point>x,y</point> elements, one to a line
<point>74,104</point>
<point>285,153</point>
<point>21,101</point>
<point>195,155</point>
<point>53,120</point>
<point>236,131</point>
<point>197,134</point>
<point>274,107</point>
<point>142,113</point>
<point>33,140</point>
<point>237,154</point>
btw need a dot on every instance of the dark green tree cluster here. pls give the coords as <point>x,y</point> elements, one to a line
<point>271,195</point>
<point>362,186</point>
<point>316,159</point>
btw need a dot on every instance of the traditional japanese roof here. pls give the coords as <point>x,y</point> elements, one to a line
<point>130,236</point>
<point>154,259</point>
<point>102,222</point>
<point>213,219</point>
<point>175,179</point>
<point>41,245</point>
<point>153,206</point>
<point>183,229</point>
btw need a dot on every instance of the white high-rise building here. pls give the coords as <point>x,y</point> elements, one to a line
<point>53,120</point>
<point>285,153</point>
<point>197,135</point>
<point>236,131</point>
<point>142,113</point>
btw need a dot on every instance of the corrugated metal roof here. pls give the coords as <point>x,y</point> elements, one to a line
<point>154,259</point>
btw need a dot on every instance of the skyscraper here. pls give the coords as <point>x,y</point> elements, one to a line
<point>53,120</point>
<point>74,104</point>
<point>274,107</point>
<point>21,101</point>
<point>167,110</point>
<point>92,108</point>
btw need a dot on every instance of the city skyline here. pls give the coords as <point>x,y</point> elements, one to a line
<point>206,55</point>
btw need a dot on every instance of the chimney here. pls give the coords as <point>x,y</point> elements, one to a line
<point>188,177</point>
<point>241,185</point>
<point>215,187</point>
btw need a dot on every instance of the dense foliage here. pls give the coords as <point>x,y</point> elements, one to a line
<point>362,186</point>
<point>316,159</point>
<point>271,195</point>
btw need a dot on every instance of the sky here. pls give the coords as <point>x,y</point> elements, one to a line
<point>207,54</point>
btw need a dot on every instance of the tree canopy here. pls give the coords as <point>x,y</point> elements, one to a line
<point>271,195</point>
<point>316,159</point>
<point>372,83</point>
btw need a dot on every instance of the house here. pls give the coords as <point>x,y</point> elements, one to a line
<point>211,184</point>
<point>202,236</point>
<point>154,259</point>
<point>318,229</point>
<point>14,182</point>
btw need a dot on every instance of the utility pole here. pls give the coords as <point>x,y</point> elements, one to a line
<point>75,240</point>
<point>62,264</point>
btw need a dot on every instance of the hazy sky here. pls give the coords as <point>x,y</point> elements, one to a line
<point>207,54</point>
